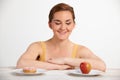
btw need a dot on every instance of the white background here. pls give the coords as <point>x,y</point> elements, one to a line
<point>23,22</point>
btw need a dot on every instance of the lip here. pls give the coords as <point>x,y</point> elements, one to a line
<point>62,32</point>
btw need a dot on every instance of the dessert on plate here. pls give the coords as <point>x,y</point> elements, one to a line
<point>29,70</point>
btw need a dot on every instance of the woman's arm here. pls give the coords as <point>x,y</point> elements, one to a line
<point>43,65</point>
<point>84,55</point>
<point>28,59</point>
<point>95,63</point>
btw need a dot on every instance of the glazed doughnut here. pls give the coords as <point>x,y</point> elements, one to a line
<point>29,70</point>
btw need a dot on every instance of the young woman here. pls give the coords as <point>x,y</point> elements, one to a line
<point>59,52</point>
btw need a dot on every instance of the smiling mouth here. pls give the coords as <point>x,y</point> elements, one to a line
<point>62,33</point>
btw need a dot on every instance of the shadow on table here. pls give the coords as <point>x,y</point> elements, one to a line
<point>17,74</point>
<point>77,75</point>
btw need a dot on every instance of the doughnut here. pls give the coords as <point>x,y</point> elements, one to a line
<point>29,70</point>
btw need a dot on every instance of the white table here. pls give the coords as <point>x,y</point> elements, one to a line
<point>7,73</point>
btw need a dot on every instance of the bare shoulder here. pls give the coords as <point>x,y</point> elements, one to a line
<point>83,51</point>
<point>33,50</point>
<point>34,47</point>
<point>83,48</point>
<point>35,44</point>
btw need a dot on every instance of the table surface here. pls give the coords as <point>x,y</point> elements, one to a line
<point>8,73</point>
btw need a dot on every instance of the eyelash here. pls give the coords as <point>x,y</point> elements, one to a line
<point>68,23</point>
<point>60,23</point>
<point>57,23</point>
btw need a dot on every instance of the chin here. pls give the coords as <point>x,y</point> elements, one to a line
<point>63,38</point>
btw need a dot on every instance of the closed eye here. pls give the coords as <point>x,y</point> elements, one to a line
<point>57,23</point>
<point>68,23</point>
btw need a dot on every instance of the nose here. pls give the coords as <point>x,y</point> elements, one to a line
<point>63,26</point>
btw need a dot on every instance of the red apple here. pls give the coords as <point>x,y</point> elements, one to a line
<point>85,67</point>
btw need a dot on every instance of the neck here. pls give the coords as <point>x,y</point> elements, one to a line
<point>60,43</point>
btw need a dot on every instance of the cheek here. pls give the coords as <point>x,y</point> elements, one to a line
<point>70,28</point>
<point>54,28</point>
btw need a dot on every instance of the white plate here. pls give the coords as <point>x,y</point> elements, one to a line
<point>91,73</point>
<point>38,71</point>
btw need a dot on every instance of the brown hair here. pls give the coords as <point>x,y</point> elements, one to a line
<point>61,7</point>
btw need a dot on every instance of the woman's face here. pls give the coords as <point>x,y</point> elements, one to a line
<point>62,24</point>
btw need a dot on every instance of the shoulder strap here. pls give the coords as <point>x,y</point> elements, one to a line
<point>42,56</point>
<point>75,49</point>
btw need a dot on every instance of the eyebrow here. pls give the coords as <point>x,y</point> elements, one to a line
<point>56,20</point>
<point>68,20</point>
<point>60,21</point>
